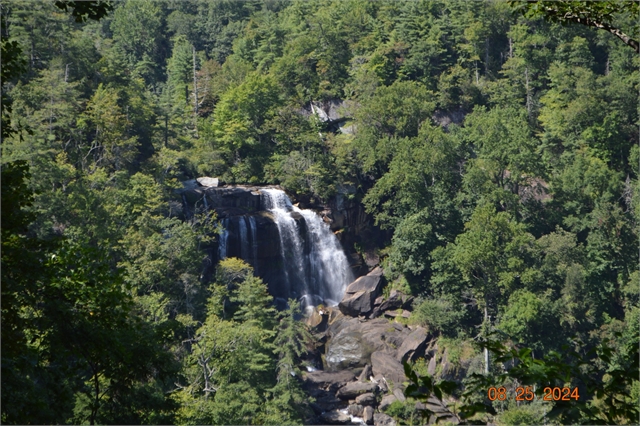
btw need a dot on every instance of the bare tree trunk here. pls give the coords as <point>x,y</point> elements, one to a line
<point>486,351</point>
<point>195,84</point>
<point>195,94</point>
<point>486,57</point>
<point>526,80</point>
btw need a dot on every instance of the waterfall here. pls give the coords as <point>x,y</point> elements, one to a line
<point>244,242</point>
<point>291,247</point>
<point>222,241</point>
<point>314,265</point>
<point>254,243</point>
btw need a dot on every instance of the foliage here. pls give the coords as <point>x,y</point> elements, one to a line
<point>487,150</point>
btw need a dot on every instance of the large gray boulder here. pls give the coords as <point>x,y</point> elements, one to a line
<point>413,345</point>
<point>396,300</point>
<point>367,415</point>
<point>328,380</point>
<point>381,419</point>
<point>354,389</point>
<point>365,374</point>
<point>387,366</point>
<point>355,409</point>
<point>359,303</point>
<point>208,182</point>
<point>351,341</point>
<point>347,349</point>
<point>360,295</point>
<point>366,399</point>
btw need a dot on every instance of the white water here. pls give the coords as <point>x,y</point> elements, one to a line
<point>222,245</point>
<point>322,270</point>
<point>244,242</point>
<point>254,242</point>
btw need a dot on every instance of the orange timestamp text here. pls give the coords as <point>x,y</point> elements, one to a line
<point>526,394</point>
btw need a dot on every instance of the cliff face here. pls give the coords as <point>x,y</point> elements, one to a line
<point>251,232</point>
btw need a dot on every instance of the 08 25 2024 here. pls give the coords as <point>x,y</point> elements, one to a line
<point>525,393</point>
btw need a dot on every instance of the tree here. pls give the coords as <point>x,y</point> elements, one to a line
<point>288,403</point>
<point>599,15</point>
<point>491,256</point>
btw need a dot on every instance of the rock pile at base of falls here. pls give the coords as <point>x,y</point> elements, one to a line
<point>363,350</point>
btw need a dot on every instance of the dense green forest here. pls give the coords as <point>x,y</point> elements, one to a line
<point>494,147</point>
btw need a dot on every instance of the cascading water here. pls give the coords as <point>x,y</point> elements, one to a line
<point>315,267</point>
<point>222,245</point>
<point>244,241</point>
<point>254,243</point>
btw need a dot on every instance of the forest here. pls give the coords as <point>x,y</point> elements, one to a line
<point>492,146</point>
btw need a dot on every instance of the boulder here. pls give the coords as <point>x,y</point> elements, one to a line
<point>381,419</point>
<point>327,380</point>
<point>208,182</point>
<point>367,415</point>
<point>399,395</point>
<point>351,341</point>
<point>413,345</point>
<point>366,399</point>
<point>354,389</point>
<point>326,402</point>
<point>388,367</point>
<point>355,410</point>
<point>396,300</point>
<point>366,373</point>
<point>431,369</point>
<point>360,295</point>
<point>387,400</point>
<point>441,411</point>
<point>316,319</point>
<point>355,304</point>
<point>336,417</point>
<point>347,349</point>
<point>382,384</point>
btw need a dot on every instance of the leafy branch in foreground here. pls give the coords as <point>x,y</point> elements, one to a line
<point>604,391</point>
<point>597,14</point>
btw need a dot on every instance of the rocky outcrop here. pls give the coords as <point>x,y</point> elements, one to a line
<point>380,375</point>
<point>387,366</point>
<point>355,410</point>
<point>351,341</point>
<point>365,374</point>
<point>367,415</point>
<point>347,349</point>
<point>208,182</point>
<point>366,399</point>
<point>361,294</point>
<point>387,400</point>
<point>413,346</point>
<point>354,389</point>
<point>381,419</point>
<point>330,381</point>
<point>396,300</point>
